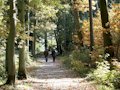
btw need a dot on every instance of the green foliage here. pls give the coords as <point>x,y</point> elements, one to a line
<point>104,87</point>
<point>35,3</point>
<point>116,81</point>
<point>1,2</point>
<point>2,72</point>
<point>2,66</point>
<point>77,62</point>
<point>104,76</point>
<point>66,61</point>
<point>53,2</point>
<point>79,67</point>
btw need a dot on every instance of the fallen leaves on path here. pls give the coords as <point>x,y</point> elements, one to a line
<point>52,76</point>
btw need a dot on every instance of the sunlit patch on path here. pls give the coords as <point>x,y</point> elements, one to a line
<point>53,76</point>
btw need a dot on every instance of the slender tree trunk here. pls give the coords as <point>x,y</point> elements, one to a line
<point>77,26</point>
<point>10,47</point>
<point>28,28</point>
<point>106,34</point>
<point>117,51</point>
<point>34,43</point>
<point>91,26</point>
<point>22,54</point>
<point>46,42</point>
<point>59,49</point>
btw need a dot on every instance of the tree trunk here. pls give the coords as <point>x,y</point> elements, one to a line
<point>34,43</point>
<point>59,48</point>
<point>91,26</point>
<point>46,42</point>
<point>6,58</point>
<point>77,26</point>
<point>104,14</point>
<point>28,29</point>
<point>106,34</point>
<point>10,47</point>
<point>21,70</point>
<point>22,54</point>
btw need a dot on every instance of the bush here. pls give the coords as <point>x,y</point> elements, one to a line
<point>116,81</point>
<point>80,55</point>
<point>66,61</point>
<point>104,76</point>
<point>2,72</point>
<point>104,87</point>
<point>77,61</point>
<point>2,67</point>
<point>79,67</point>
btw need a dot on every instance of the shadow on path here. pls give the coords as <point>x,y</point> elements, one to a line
<point>50,70</point>
<point>53,76</point>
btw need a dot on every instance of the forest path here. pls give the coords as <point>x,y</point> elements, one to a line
<point>53,76</point>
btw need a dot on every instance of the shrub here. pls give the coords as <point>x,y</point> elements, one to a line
<point>80,55</point>
<point>79,67</point>
<point>66,61</point>
<point>77,61</point>
<point>103,75</point>
<point>104,87</point>
<point>116,81</point>
<point>2,67</point>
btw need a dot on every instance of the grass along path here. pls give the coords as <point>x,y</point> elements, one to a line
<point>52,76</point>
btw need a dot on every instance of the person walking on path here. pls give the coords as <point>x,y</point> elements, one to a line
<point>46,55</point>
<point>53,53</point>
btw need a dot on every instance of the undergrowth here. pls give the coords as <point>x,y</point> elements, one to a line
<point>104,77</point>
<point>78,62</point>
<point>3,74</point>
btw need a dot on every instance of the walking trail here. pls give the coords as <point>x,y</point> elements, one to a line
<point>53,76</point>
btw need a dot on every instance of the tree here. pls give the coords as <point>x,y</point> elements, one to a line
<point>46,41</point>
<point>91,26</point>
<point>65,29</point>
<point>10,45</point>
<point>106,25</point>
<point>80,9</point>
<point>22,57</point>
<point>34,39</point>
<point>77,21</point>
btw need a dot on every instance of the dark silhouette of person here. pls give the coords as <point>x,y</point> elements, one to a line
<point>46,55</point>
<point>53,53</point>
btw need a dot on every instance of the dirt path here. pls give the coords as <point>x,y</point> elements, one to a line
<point>53,76</point>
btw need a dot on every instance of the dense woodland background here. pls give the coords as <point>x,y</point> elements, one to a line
<point>85,34</point>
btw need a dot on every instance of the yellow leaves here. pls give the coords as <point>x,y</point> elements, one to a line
<point>115,21</point>
<point>3,33</point>
<point>82,5</point>
<point>3,30</point>
<point>76,39</point>
<point>97,31</point>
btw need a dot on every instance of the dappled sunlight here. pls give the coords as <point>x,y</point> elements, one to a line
<point>53,76</point>
<point>58,84</point>
<point>50,70</point>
